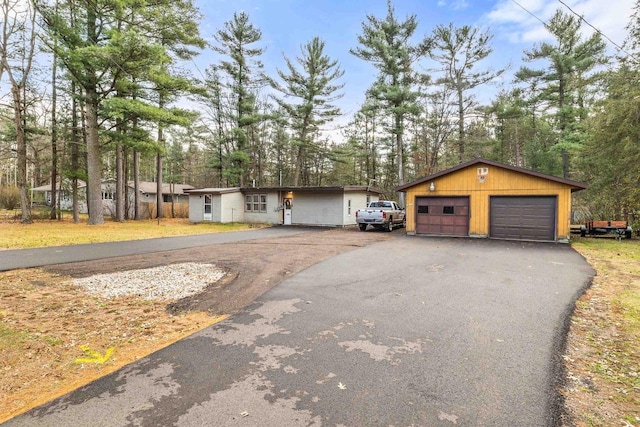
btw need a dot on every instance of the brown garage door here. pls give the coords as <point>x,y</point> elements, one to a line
<point>523,218</point>
<point>447,216</point>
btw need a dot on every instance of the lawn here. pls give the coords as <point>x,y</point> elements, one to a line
<point>603,356</point>
<point>46,323</point>
<point>43,233</point>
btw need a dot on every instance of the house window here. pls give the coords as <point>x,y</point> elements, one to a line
<point>207,204</point>
<point>255,203</point>
<point>423,209</point>
<point>447,210</point>
<point>107,195</point>
<point>349,205</point>
<point>368,199</point>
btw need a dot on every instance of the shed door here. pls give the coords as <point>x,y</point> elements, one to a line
<point>523,218</point>
<point>447,216</point>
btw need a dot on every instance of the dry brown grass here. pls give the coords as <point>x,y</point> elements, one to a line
<point>45,321</point>
<point>42,233</point>
<point>603,355</point>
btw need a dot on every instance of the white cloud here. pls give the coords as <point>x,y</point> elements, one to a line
<point>459,4</point>
<point>454,4</point>
<point>511,22</point>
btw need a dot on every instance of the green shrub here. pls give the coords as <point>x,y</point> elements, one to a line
<point>9,198</point>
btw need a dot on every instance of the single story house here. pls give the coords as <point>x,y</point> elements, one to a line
<point>320,206</point>
<point>148,192</point>
<point>483,198</point>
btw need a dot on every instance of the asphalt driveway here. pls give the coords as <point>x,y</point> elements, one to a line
<point>38,257</point>
<point>408,332</point>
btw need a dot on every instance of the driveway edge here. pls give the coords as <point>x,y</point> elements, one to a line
<point>556,402</point>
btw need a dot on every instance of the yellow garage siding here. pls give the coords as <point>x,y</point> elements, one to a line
<point>498,182</point>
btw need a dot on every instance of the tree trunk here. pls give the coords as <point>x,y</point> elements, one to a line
<point>75,166</point>
<point>159,198</point>
<point>21,143</point>
<point>136,184</point>
<point>399,155</point>
<point>461,135</point>
<point>54,144</point>
<point>92,103</point>
<point>119,184</point>
<point>94,167</point>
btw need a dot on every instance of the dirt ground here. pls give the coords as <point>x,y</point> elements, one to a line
<point>60,337</point>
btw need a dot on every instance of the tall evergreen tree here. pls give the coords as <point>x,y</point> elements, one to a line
<point>313,89</point>
<point>84,35</point>
<point>571,61</point>
<point>459,50</point>
<point>387,44</point>
<point>237,42</point>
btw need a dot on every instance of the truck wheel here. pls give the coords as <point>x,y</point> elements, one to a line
<point>390,224</point>
<point>363,227</point>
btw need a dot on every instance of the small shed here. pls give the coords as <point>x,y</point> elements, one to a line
<point>483,198</point>
<point>332,206</point>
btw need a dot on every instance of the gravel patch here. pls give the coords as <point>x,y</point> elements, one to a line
<point>171,282</point>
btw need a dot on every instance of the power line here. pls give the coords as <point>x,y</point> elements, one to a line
<point>617,46</point>
<point>620,48</point>
<point>529,12</point>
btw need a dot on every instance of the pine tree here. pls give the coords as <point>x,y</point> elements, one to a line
<point>563,84</point>
<point>386,43</point>
<point>243,68</point>
<point>459,50</point>
<point>313,89</point>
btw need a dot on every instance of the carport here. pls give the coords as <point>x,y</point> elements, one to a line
<point>483,198</point>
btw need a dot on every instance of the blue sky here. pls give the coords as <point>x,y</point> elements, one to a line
<point>287,24</point>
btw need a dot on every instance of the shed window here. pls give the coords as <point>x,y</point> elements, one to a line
<point>255,203</point>
<point>423,209</point>
<point>448,210</point>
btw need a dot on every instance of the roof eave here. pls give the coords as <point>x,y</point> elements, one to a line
<point>575,186</point>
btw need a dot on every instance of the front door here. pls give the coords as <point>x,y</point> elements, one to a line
<point>208,213</point>
<point>286,203</point>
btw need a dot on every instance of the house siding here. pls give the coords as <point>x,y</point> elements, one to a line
<point>273,215</point>
<point>499,182</point>
<point>231,207</point>
<point>196,208</point>
<point>317,209</point>
<point>358,201</point>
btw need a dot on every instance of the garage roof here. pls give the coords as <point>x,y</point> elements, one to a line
<point>575,185</point>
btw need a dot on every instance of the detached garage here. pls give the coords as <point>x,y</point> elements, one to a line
<point>483,198</point>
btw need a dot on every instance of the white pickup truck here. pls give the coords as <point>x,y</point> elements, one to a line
<point>381,214</point>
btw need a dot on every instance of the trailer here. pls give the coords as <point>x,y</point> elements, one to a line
<point>619,229</point>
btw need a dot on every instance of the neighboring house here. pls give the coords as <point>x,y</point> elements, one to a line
<point>321,206</point>
<point>148,192</point>
<point>482,198</point>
